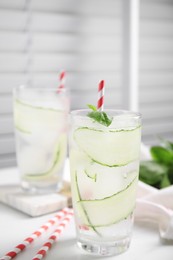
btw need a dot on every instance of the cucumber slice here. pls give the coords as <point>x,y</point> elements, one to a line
<point>96,181</point>
<point>112,209</point>
<point>109,148</point>
<point>81,213</point>
<point>92,176</point>
<point>28,118</point>
<point>57,161</point>
<point>123,227</point>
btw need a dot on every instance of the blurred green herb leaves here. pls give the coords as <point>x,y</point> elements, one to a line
<point>158,172</point>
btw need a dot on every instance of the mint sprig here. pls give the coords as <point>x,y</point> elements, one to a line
<point>99,116</point>
<point>158,172</point>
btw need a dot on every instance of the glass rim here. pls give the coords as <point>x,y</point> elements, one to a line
<point>115,112</point>
<point>40,88</point>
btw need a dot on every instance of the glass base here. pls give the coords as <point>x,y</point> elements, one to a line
<point>38,189</point>
<point>106,248</point>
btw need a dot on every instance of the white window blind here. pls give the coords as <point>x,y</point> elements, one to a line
<point>156,69</point>
<point>39,38</point>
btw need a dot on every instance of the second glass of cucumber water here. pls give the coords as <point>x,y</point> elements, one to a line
<point>41,122</point>
<point>104,162</point>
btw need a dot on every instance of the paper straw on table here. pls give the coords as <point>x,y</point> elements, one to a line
<point>55,235</point>
<point>100,102</point>
<point>27,241</point>
<point>62,78</point>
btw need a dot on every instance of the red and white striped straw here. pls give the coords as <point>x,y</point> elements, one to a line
<point>51,240</point>
<point>101,89</point>
<point>27,241</point>
<point>62,78</point>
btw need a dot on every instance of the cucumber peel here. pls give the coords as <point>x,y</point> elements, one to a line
<point>84,210</point>
<point>110,148</point>
<point>29,118</point>
<point>112,209</point>
<point>92,177</point>
<point>60,153</point>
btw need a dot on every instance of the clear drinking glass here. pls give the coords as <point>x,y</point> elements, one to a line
<point>40,119</point>
<point>104,164</point>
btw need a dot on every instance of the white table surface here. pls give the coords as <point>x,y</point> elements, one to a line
<point>16,226</point>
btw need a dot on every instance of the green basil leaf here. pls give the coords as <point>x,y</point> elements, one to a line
<point>106,119</point>
<point>162,155</point>
<point>152,172</point>
<point>170,174</point>
<point>165,182</point>
<point>99,116</point>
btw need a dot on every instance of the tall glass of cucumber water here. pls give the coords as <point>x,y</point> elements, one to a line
<point>104,162</point>
<point>40,119</point>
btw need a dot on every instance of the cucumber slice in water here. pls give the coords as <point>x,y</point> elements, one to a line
<point>57,161</point>
<point>111,209</point>
<point>29,118</point>
<point>105,183</point>
<point>97,181</point>
<point>109,148</point>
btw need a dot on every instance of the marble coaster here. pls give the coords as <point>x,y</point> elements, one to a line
<point>35,205</point>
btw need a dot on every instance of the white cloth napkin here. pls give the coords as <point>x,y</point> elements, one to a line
<point>155,205</point>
